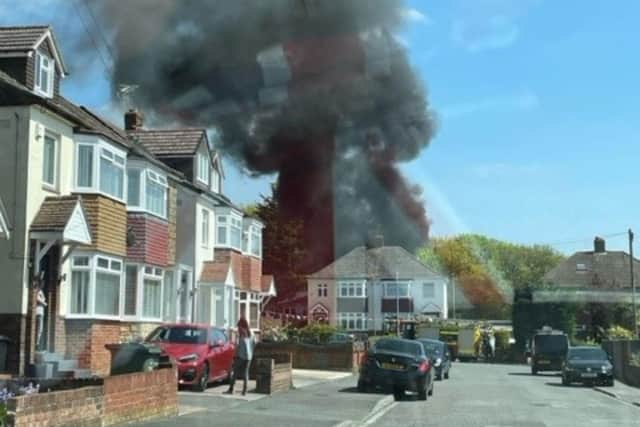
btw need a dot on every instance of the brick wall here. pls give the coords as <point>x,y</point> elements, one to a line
<point>151,239</point>
<point>108,221</point>
<point>13,326</point>
<point>252,272</point>
<point>140,396</point>
<point>118,399</point>
<point>129,332</point>
<point>338,357</point>
<point>86,340</point>
<point>80,407</point>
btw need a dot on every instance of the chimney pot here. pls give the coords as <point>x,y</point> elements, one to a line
<point>133,120</point>
<point>599,245</point>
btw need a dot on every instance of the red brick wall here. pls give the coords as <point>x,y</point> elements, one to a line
<point>120,399</point>
<point>151,239</point>
<point>140,396</point>
<point>86,340</point>
<point>81,406</point>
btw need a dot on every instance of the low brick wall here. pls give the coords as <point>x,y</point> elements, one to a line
<point>140,396</point>
<point>620,352</point>
<point>336,357</point>
<point>118,399</point>
<point>273,374</point>
<point>80,407</point>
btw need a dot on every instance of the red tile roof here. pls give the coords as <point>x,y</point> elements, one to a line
<point>266,281</point>
<point>214,272</point>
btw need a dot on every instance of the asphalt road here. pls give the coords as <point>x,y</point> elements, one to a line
<point>475,395</point>
<point>503,395</point>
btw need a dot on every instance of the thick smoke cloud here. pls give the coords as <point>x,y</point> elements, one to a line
<point>316,91</point>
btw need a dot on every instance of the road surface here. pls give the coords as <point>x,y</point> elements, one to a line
<point>475,395</point>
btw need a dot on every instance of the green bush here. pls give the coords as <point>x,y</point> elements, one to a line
<point>316,333</point>
<point>617,332</point>
<point>634,360</point>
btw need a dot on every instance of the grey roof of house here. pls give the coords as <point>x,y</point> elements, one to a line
<point>378,263</point>
<point>170,142</point>
<point>26,38</point>
<point>54,213</point>
<point>598,270</point>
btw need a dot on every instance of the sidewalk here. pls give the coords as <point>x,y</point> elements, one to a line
<point>622,392</point>
<point>214,397</point>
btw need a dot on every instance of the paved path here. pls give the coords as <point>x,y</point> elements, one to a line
<point>477,395</point>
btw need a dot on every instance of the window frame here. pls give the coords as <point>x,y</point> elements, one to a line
<point>229,219</point>
<point>356,317</point>
<point>51,68</point>
<point>147,173</point>
<point>101,149</point>
<point>322,289</point>
<point>426,285</point>
<point>203,170</point>
<point>349,289</point>
<point>56,160</point>
<point>115,266</point>
<point>205,233</point>
<point>387,285</point>
<point>157,275</point>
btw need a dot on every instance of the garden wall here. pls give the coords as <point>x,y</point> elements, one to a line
<point>620,352</point>
<point>332,357</point>
<point>118,399</point>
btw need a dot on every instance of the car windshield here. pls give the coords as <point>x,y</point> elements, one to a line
<point>399,346</point>
<point>587,354</point>
<point>432,348</point>
<point>551,343</point>
<point>179,334</point>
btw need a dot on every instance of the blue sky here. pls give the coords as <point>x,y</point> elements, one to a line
<point>539,129</point>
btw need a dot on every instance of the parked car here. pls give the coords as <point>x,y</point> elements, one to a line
<point>548,350</point>
<point>439,355</point>
<point>397,364</point>
<point>587,365</point>
<point>203,353</point>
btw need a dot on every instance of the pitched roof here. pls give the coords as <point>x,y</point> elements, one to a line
<point>595,270</point>
<point>28,38</point>
<point>214,272</point>
<point>266,282</point>
<point>170,142</point>
<point>54,213</point>
<point>380,262</point>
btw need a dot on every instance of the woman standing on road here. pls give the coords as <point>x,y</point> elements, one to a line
<point>243,357</point>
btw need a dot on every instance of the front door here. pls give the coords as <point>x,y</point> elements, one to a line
<point>46,308</point>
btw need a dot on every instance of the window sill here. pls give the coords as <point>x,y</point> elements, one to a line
<point>97,192</point>
<point>50,188</point>
<point>42,93</point>
<point>136,210</point>
<point>91,317</point>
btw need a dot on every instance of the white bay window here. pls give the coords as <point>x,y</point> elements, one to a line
<point>229,231</point>
<point>100,168</point>
<point>352,321</point>
<point>147,191</point>
<point>95,286</point>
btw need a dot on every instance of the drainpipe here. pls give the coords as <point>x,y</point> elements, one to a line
<point>14,239</point>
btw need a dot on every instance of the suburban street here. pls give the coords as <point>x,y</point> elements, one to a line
<point>476,395</point>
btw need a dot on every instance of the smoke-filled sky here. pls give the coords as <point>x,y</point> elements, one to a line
<point>537,104</point>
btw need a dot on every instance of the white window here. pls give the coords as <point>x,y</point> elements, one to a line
<point>236,232</point>
<point>221,238</point>
<point>352,321</point>
<point>131,290</point>
<point>169,297</point>
<point>215,181</point>
<point>396,289</point>
<point>203,168</point>
<point>256,241</point>
<point>147,191</point>
<point>352,289</point>
<point>152,293</point>
<point>43,75</point>
<point>95,286</point>
<point>205,228</point>
<point>322,290</point>
<point>100,168</point>
<point>428,290</point>
<point>50,161</point>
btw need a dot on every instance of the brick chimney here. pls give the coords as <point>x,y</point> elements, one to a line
<point>599,245</point>
<point>133,120</point>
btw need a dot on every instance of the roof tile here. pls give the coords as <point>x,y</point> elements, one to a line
<point>603,270</point>
<point>21,38</point>
<point>170,142</point>
<point>54,213</point>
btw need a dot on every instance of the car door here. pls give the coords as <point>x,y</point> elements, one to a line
<point>227,352</point>
<point>215,352</point>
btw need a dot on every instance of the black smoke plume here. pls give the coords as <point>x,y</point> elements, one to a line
<point>319,92</point>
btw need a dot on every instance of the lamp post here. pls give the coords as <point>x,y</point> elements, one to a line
<point>633,286</point>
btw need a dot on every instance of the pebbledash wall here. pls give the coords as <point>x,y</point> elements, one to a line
<point>119,399</point>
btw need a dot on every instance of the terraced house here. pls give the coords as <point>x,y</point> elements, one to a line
<point>115,233</point>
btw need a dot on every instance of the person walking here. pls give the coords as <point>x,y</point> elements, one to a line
<point>243,356</point>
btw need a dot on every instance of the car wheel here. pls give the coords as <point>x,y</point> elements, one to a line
<point>203,382</point>
<point>534,371</point>
<point>422,393</point>
<point>398,394</point>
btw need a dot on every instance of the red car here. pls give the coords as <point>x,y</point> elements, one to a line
<point>203,353</point>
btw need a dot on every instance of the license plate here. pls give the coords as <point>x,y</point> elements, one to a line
<point>589,375</point>
<point>392,367</point>
<point>544,362</point>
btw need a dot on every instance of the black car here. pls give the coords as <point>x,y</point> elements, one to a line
<point>548,351</point>
<point>438,353</point>
<point>587,365</point>
<point>397,364</point>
